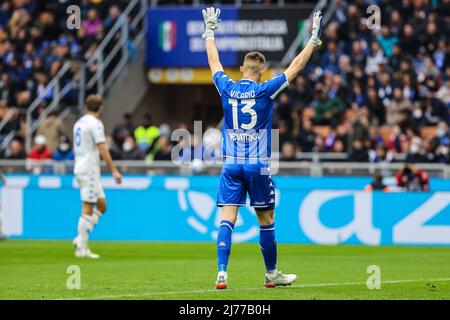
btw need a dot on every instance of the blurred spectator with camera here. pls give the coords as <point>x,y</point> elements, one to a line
<point>412,178</point>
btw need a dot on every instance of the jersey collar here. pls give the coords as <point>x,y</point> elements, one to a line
<point>246,79</point>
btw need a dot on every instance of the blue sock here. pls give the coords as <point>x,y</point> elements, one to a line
<point>224,244</point>
<point>268,246</point>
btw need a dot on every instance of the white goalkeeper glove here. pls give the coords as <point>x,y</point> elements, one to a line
<point>212,21</point>
<point>316,29</point>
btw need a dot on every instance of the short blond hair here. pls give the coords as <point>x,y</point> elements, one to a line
<point>254,62</point>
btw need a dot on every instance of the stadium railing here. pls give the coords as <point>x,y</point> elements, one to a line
<point>131,33</point>
<point>6,139</point>
<point>297,168</point>
<point>304,33</point>
<point>54,86</point>
<point>103,61</point>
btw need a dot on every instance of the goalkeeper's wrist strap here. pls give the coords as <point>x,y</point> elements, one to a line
<point>315,41</point>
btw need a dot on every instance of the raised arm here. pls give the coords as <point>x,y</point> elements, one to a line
<point>302,59</point>
<point>212,21</point>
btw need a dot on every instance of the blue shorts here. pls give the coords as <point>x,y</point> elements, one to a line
<point>238,179</point>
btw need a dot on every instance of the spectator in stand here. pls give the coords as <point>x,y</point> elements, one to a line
<point>165,149</point>
<point>408,40</point>
<point>395,139</point>
<point>385,88</point>
<point>302,94</point>
<point>92,27</point>
<point>330,139</point>
<point>16,150</point>
<point>395,58</point>
<point>343,135</point>
<point>434,110</point>
<point>3,181</point>
<point>397,77</point>
<point>358,53</point>
<point>439,144</point>
<point>52,129</point>
<point>416,152</point>
<point>123,130</point>
<point>319,144</point>
<point>284,134</point>
<point>443,94</point>
<point>381,155</point>
<point>395,107</point>
<point>39,151</point>
<point>192,152</point>
<point>376,138</point>
<point>375,59</point>
<point>338,147</point>
<point>35,43</point>
<point>377,184</point>
<point>339,89</point>
<point>307,137</point>
<point>328,110</point>
<point>411,178</point>
<point>377,112</point>
<point>130,151</point>
<point>284,109</point>
<point>116,152</point>
<point>146,134</point>
<point>64,150</point>
<point>360,128</point>
<point>359,152</point>
<point>330,57</point>
<point>358,97</point>
<point>288,152</point>
<point>14,122</point>
<point>113,16</point>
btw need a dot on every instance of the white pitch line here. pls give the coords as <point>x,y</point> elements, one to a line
<point>311,285</point>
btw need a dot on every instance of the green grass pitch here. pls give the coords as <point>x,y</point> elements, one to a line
<point>145,270</point>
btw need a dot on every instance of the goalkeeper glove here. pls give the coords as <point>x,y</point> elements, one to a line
<point>316,29</point>
<point>212,21</point>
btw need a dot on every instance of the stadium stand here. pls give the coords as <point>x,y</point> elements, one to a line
<point>35,44</point>
<point>369,91</point>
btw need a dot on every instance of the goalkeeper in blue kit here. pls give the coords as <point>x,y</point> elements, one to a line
<point>248,107</point>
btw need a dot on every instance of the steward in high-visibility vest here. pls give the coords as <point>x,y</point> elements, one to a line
<point>146,134</point>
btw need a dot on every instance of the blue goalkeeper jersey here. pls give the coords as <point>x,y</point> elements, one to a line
<point>247,108</point>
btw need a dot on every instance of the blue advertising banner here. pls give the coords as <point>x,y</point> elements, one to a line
<point>174,38</point>
<point>174,35</point>
<point>173,208</point>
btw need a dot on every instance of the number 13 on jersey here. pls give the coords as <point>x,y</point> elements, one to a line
<point>247,108</point>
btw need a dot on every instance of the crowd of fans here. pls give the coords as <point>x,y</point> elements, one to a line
<point>374,93</point>
<point>370,95</point>
<point>228,2</point>
<point>35,42</point>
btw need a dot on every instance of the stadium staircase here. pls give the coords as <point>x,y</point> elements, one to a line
<point>115,71</point>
